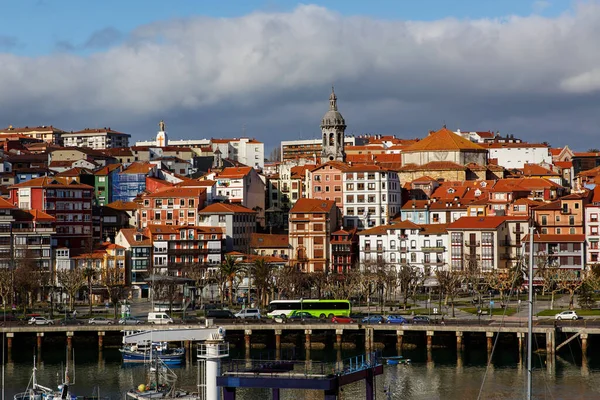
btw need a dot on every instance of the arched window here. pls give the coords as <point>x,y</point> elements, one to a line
<point>331,139</point>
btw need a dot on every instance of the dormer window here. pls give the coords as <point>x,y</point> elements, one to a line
<point>450,190</point>
<point>138,237</point>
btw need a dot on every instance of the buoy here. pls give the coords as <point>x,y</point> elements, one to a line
<point>142,387</point>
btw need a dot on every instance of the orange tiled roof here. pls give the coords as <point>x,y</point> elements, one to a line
<point>177,192</point>
<point>217,208</point>
<point>234,172</point>
<point>442,140</point>
<point>537,170</point>
<point>47,182</point>
<point>139,168</point>
<point>108,169</point>
<point>130,233</point>
<point>124,205</point>
<point>586,154</point>
<point>474,223</point>
<point>433,229</point>
<point>312,206</point>
<point>43,128</point>
<point>563,164</point>
<point>546,238</point>
<point>263,240</point>
<point>103,130</point>
<point>6,205</point>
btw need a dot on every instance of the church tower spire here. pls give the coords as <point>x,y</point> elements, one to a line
<point>333,127</point>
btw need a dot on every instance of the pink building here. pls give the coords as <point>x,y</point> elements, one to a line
<point>325,182</point>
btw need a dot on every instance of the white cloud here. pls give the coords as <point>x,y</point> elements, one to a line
<point>272,67</point>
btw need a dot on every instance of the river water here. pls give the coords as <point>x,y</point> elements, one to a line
<point>440,374</point>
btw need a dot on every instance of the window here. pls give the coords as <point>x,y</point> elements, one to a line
<point>317,189</point>
<point>349,186</point>
<point>318,227</point>
<point>300,227</point>
<point>413,257</point>
<point>222,218</point>
<point>544,220</point>
<point>413,244</point>
<point>350,198</point>
<point>392,244</point>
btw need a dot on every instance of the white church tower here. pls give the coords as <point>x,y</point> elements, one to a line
<point>333,127</point>
<point>161,137</point>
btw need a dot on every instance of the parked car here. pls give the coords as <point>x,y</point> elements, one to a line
<point>248,313</point>
<point>100,321</point>
<point>421,319</point>
<point>300,316</point>
<point>396,319</point>
<point>130,321</point>
<point>373,319</point>
<point>70,321</point>
<point>40,321</point>
<point>568,314</point>
<point>220,314</point>
<point>338,319</point>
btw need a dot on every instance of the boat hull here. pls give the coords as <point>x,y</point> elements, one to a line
<point>136,357</point>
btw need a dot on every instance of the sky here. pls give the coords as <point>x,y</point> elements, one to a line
<point>264,69</point>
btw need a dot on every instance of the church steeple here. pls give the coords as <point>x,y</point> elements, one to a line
<point>333,127</point>
<point>332,100</point>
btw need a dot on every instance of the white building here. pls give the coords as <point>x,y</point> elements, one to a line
<point>404,243</point>
<point>372,196</point>
<point>516,155</point>
<point>238,224</point>
<point>104,138</point>
<point>241,185</point>
<point>592,227</point>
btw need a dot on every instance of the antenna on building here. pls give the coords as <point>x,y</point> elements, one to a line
<point>243,130</point>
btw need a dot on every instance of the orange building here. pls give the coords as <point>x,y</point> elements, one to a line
<point>311,223</point>
<point>172,206</point>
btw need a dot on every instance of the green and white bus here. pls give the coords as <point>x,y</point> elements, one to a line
<point>317,308</point>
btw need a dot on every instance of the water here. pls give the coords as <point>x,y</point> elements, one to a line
<point>437,375</point>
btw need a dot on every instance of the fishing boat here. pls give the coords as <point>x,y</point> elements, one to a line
<point>144,352</point>
<point>160,383</point>
<point>395,360</point>
<point>35,391</point>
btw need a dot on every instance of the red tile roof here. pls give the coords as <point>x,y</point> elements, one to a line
<point>124,205</point>
<point>264,240</point>
<point>312,206</point>
<point>107,170</point>
<point>103,130</point>
<point>542,238</point>
<point>444,139</point>
<point>563,164</point>
<point>234,172</point>
<point>177,192</point>
<point>139,168</point>
<point>220,208</point>
<point>6,205</point>
<point>475,223</point>
<point>537,170</point>
<point>130,234</point>
<point>48,182</point>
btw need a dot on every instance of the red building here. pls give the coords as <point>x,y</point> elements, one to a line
<point>67,201</point>
<point>344,250</point>
<point>172,206</point>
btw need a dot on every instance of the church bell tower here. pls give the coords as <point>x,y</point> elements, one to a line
<point>333,127</point>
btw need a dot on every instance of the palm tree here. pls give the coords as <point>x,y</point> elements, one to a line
<point>230,269</point>
<point>262,275</point>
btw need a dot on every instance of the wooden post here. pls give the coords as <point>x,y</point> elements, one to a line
<point>490,341</point>
<point>520,339</point>
<point>399,339</point>
<point>9,339</point>
<point>40,336</point>
<point>70,340</point>
<point>247,335</point>
<point>307,333</point>
<point>338,338</point>
<point>429,339</point>
<point>459,340</point>
<point>101,339</point>
<point>277,339</point>
<point>550,342</point>
<point>275,392</point>
<point>584,343</point>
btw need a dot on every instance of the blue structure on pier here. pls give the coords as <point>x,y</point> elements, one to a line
<point>289,374</point>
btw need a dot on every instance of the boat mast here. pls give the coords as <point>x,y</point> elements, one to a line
<point>530,315</point>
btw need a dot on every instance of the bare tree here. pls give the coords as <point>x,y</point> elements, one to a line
<point>343,286</point>
<point>165,288</point>
<point>72,280</point>
<point>198,272</point>
<point>27,281</point>
<point>472,275</point>
<point>114,283</point>
<point>5,285</point>
<point>289,281</point>
<point>569,281</point>
<point>449,282</point>
<point>407,280</point>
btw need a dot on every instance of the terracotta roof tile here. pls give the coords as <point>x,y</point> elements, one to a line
<point>545,238</point>
<point>217,208</point>
<point>234,172</point>
<point>48,182</point>
<point>263,240</point>
<point>312,206</point>
<point>537,170</point>
<point>139,168</point>
<point>177,192</point>
<point>444,139</point>
<point>124,205</point>
<point>490,222</point>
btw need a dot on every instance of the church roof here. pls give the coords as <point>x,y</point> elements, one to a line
<point>333,117</point>
<point>444,139</point>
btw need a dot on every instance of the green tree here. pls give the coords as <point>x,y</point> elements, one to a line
<point>262,274</point>
<point>230,269</point>
<point>586,296</point>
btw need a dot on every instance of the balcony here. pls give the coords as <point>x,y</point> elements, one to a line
<point>193,251</point>
<point>434,249</point>
<point>403,249</point>
<point>472,244</point>
<point>380,249</point>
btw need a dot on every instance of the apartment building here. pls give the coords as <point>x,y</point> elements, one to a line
<point>592,229</point>
<point>172,206</point>
<point>237,222</point>
<point>372,196</point>
<point>48,134</point>
<point>138,259</point>
<point>344,250</point>
<point>68,202</point>
<point>325,182</point>
<point>311,222</point>
<point>103,138</point>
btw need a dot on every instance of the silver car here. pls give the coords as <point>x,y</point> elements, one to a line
<point>40,321</point>
<point>100,321</point>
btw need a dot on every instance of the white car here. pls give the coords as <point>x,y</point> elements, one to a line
<point>248,313</point>
<point>40,321</point>
<point>569,314</point>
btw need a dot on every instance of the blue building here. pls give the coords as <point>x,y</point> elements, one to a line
<point>130,182</point>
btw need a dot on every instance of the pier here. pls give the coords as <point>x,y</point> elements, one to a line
<point>461,331</point>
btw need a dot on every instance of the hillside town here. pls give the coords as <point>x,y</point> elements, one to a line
<point>88,216</point>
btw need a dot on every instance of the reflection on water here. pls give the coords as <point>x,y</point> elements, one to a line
<point>435,374</point>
